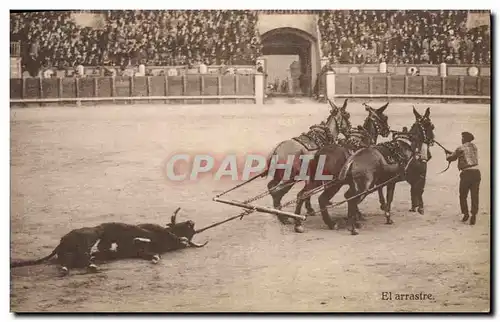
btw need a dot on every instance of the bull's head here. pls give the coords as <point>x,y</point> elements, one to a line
<point>183,229</point>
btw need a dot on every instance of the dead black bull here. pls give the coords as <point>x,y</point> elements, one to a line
<point>147,240</point>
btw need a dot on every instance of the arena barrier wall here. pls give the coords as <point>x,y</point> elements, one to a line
<point>197,89</point>
<point>416,69</point>
<point>442,69</point>
<point>465,88</point>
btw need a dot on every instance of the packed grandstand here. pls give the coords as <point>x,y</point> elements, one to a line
<point>213,37</point>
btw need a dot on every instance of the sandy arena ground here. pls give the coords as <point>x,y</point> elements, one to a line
<point>74,167</point>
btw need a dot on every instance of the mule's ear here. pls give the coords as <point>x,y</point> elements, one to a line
<point>382,109</point>
<point>345,104</point>
<point>333,107</point>
<point>415,112</point>
<point>427,112</point>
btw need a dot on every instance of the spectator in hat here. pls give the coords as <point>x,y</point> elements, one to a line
<point>470,176</point>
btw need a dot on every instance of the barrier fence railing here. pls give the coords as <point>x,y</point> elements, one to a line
<point>404,87</point>
<point>240,88</point>
<point>199,88</point>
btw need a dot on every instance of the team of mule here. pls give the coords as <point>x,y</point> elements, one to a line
<point>358,162</point>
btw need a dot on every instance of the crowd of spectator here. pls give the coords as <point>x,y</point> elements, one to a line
<point>402,37</point>
<point>230,37</point>
<point>172,37</point>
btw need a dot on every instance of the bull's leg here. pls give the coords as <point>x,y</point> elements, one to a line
<point>277,192</point>
<point>91,266</point>
<point>324,201</point>
<point>146,254</point>
<point>104,252</point>
<point>390,195</point>
<point>84,258</point>
<point>143,250</point>
<point>65,261</point>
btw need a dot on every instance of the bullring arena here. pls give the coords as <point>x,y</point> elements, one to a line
<point>96,115</point>
<point>80,166</point>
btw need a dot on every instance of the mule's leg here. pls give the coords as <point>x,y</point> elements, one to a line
<point>351,216</point>
<point>390,195</point>
<point>300,199</point>
<point>381,199</point>
<point>307,200</point>
<point>324,201</point>
<point>352,208</point>
<point>299,228</point>
<point>271,185</point>
<point>277,193</point>
<point>362,184</point>
<point>359,216</point>
<point>310,209</point>
<point>419,193</point>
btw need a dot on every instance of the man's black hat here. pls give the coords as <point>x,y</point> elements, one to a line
<point>468,137</point>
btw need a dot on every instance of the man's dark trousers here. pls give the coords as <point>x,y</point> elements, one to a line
<point>469,181</point>
<point>417,182</point>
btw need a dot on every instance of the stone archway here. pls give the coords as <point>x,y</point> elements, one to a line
<point>292,41</point>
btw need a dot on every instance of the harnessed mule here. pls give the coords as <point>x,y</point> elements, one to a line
<point>323,134</point>
<point>386,162</point>
<point>335,156</point>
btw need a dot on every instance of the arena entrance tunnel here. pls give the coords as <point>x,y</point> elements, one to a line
<point>291,41</point>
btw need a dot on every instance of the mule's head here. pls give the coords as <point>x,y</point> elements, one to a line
<point>422,134</point>
<point>378,119</point>
<point>340,117</point>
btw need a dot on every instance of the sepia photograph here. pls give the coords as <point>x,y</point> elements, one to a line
<point>250,161</point>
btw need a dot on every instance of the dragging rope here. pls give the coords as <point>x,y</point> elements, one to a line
<point>362,193</point>
<point>263,173</point>
<point>446,151</point>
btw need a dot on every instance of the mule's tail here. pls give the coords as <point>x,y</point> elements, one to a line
<point>34,261</point>
<point>347,165</point>
<point>278,173</point>
<point>345,169</point>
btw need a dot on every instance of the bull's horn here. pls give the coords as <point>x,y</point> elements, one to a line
<point>174,216</point>
<point>191,243</point>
